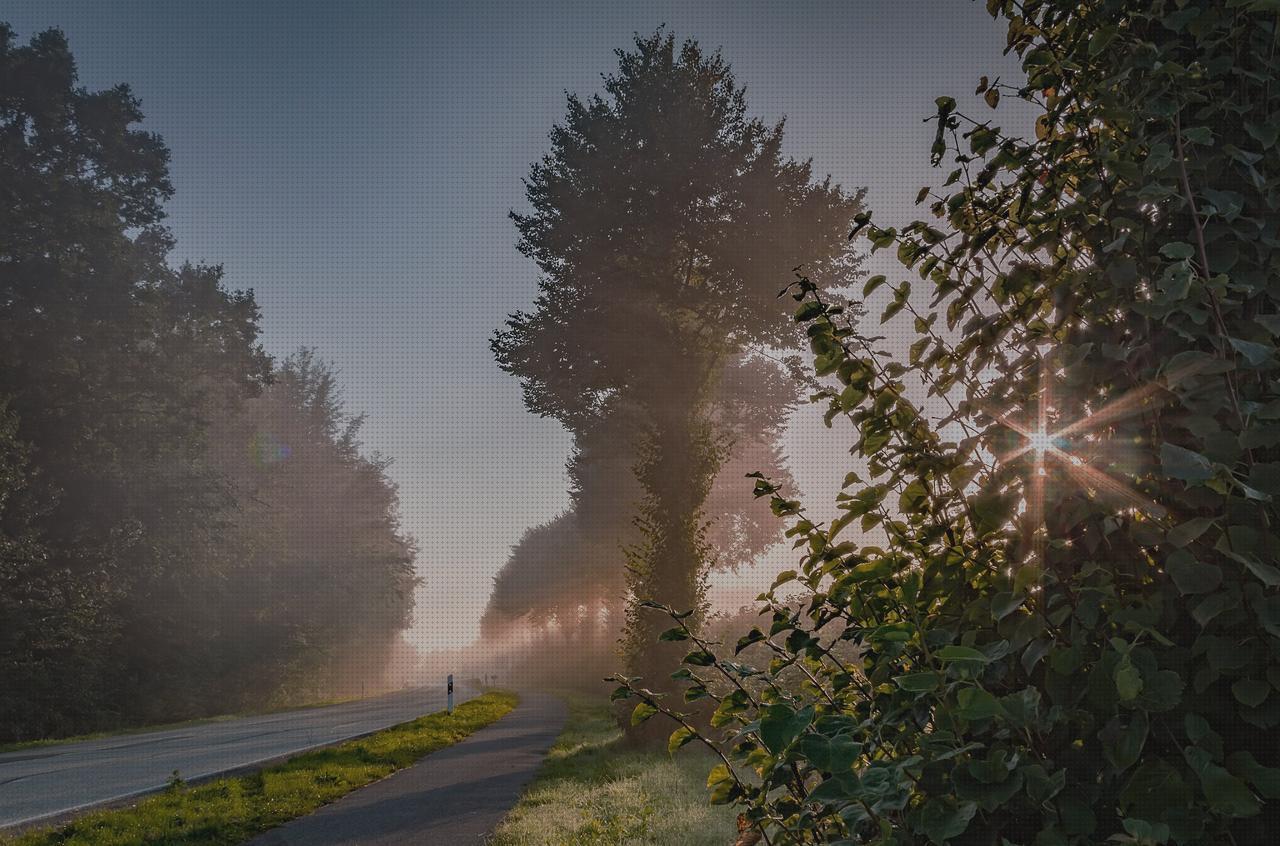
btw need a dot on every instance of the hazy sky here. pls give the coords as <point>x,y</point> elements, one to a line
<point>354,163</point>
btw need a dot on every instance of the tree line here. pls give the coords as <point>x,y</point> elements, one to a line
<point>187,526</point>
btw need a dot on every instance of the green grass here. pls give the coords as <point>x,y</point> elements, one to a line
<point>594,789</point>
<point>231,810</point>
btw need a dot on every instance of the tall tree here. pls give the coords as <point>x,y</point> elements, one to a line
<point>179,532</point>
<point>100,342</point>
<point>658,221</point>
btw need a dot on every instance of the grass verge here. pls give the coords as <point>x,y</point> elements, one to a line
<point>231,810</point>
<point>593,789</point>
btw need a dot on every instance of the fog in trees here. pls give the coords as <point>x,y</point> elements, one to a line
<point>186,526</point>
<point>190,526</point>
<point>663,221</point>
<point>565,583</point>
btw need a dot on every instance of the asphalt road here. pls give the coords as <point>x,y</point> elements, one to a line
<point>454,796</point>
<point>52,781</point>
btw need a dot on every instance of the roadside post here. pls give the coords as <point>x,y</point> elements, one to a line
<point>450,705</point>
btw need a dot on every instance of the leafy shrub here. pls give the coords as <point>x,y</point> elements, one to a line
<point>1070,632</point>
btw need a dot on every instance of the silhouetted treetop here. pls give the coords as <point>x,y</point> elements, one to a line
<point>84,143</point>
<point>662,209</point>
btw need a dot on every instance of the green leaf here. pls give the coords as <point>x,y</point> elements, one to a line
<point>679,737</point>
<point>1144,832</point>
<point>873,283</point>
<point>943,819</point>
<point>992,512</point>
<point>1022,707</point>
<point>1177,250</point>
<point>838,525</point>
<point>1153,788</point>
<point>1264,135</point>
<point>891,310</point>
<point>1213,605</point>
<point>1201,135</point>
<point>699,658</point>
<point>1266,573</point>
<point>753,636</point>
<point>960,653</point>
<point>1201,734</point>
<point>1225,793</point>
<point>1101,38</point>
<point>837,789</point>
<point>1192,576</point>
<point>722,785</point>
<point>832,754</point>
<point>674,634</point>
<point>731,707</point>
<point>1041,787</point>
<point>1181,463</point>
<point>781,725</point>
<point>1254,353</point>
<point>1122,744</point>
<point>1003,604</point>
<point>1195,363</point>
<point>1268,611</point>
<point>1128,680</point>
<point>782,578</point>
<point>1034,653</point>
<point>642,712</point>
<point>1250,692</point>
<point>918,682</point>
<point>914,498</point>
<point>1266,780</point>
<point>809,310</point>
<point>1187,532</point>
<point>694,692</point>
<point>974,703</point>
<point>1077,815</point>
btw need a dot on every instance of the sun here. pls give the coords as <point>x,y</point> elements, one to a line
<point>1047,443</point>
<point>1040,442</point>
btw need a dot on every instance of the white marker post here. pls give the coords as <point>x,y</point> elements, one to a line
<point>450,705</point>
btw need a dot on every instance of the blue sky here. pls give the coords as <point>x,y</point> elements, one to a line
<point>354,163</point>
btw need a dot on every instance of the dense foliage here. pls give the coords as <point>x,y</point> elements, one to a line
<point>1070,630</point>
<point>660,221</point>
<point>147,568</point>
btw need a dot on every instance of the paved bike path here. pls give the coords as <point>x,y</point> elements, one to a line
<point>452,797</point>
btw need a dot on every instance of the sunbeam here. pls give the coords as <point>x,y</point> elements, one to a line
<point>1044,444</point>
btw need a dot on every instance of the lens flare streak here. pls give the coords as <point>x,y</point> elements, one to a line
<point>1045,444</point>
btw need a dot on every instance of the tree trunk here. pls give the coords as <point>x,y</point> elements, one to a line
<point>678,463</point>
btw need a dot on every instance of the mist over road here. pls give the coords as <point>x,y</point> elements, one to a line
<point>52,780</point>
